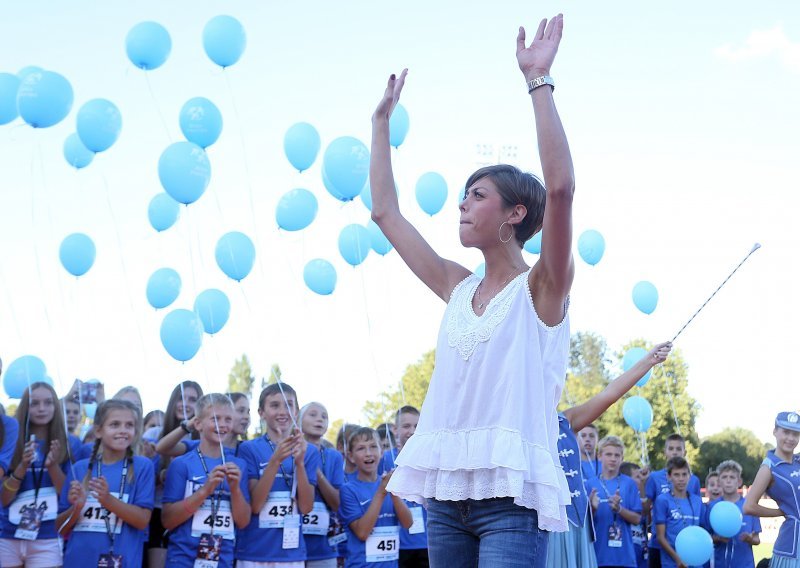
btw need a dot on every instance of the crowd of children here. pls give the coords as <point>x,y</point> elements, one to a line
<point>186,488</point>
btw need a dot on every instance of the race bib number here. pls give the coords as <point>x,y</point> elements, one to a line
<point>46,504</point>
<point>418,527</point>
<point>275,509</point>
<point>318,520</point>
<point>204,520</point>
<point>93,516</point>
<point>383,544</point>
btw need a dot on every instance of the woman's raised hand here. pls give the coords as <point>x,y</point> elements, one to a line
<point>390,97</point>
<point>537,58</point>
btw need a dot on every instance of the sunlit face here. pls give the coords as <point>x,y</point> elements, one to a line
<point>42,406</point>
<point>365,453</point>
<point>156,420</point>
<point>216,423</point>
<point>184,409</point>
<point>241,421</point>
<point>675,449</point>
<point>679,477</point>
<point>315,421</point>
<point>729,481</point>
<point>786,440</point>
<point>72,412</point>
<point>611,458</point>
<point>118,430</point>
<point>482,213</point>
<point>406,426</point>
<point>587,438</point>
<point>278,413</point>
<point>713,487</point>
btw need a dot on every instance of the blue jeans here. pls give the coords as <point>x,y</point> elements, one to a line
<point>488,533</point>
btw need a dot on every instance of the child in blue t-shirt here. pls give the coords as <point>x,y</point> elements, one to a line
<point>282,475</point>
<point>372,516</point>
<point>106,504</point>
<point>736,551</point>
<point>676,510</point>
<point>616,506</point>
<point>205,498</point>
<point>638,532</point>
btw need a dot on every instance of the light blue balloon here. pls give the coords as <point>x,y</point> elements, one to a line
<point>235,254</point>
<point>25,71</point>
<point>534,244</point>
<point>645,296</point>
<point>398,126</point>
<point>9,85</point>
<point>148,45</point>
<point>214,309</point>
<point>184,171</point>
<point>90,408</point>
<point>163,211</point>
<point>201,121</point>
<point>694,545</point>
<point>354,244</point>
<point>77,253</point>
<point>44,98</point>
<point>182,334</point>
<point>638,413</point>
<point>346,167</point>
<point>224,40</point>
<point>296,209</point>
<point>591,246</point>
<point>633,356</point>
<point>378,240</point>
<point>320,276</point>
<point>480,271</point>
<point>22,372</point>
<point>163,287</point>
<point>75,153</point>
<point>366,196</point>
<point>301,145</point>
<point>726,519</point>
<point>431,191</point>
<point>99,124</point>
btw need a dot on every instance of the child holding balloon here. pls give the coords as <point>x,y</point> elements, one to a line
<point>735,548</point>
<point>779,477</point>
<point>675,510</point>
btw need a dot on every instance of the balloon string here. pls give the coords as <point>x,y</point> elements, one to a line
<point>667,378</point>
<point>158,107</point>
<point>11,307</point>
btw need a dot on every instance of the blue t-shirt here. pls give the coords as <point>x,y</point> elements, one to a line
<point>186,475</point>
<point>676,514</point>
<point>266,544</point>
<point>27,498</point>
<point>317,547</point>
<point>591,468</point>
<point>614,543</point>
<point>657,484</point>
<point>89,537</point>
<point>415,537</point>
<point>11,430</point>
<point>735,553</point>
<point>355,499</point>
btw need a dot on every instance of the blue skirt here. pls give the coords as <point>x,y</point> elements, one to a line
<point>571,549</point>
<point>784,562</point>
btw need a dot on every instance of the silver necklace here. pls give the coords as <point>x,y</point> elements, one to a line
<point>481,303</point>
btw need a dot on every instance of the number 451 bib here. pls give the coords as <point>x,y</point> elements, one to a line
<point>383,544</point>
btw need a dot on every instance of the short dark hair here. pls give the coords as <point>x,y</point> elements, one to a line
<point>385,431</point>
<point>677,463</point>
<point>276,388</point>
<point>362,433</point>
<point>516,188</point>
<point>627,468</point>
<point>675,437</point>
<point>407,409</point>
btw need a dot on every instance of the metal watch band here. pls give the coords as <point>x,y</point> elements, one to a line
<point>540,81</point>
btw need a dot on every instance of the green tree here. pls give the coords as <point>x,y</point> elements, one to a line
<point>333,430</point>
<point>411,390</point>
<point>588,373</point>
<point>274,375</point>
<point>737,444</point>
<point>241,378</point>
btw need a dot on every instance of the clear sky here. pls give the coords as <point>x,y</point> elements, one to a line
<point>682,118</point>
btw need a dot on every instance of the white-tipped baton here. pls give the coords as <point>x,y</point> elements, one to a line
<point>752,250</point>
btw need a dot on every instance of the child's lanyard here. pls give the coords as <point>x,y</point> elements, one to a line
<point>292,479</point>
<point>608,495</point>
<point>37,481</point>
<point>113,533</point>
<point>678,507</point>
<point>216,499</point>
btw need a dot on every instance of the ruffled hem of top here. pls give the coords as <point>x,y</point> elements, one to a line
<point>482,464</point>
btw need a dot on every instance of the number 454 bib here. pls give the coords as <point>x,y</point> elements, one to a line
<point>383,544</point>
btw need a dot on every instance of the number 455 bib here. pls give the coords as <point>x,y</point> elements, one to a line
<point>383,544</point>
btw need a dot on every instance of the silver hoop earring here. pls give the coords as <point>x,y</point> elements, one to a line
<point>500,231</point>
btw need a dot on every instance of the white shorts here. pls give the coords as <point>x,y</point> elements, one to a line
<point>254,564</point>
<point>43,553</point>
<point>327,563</point>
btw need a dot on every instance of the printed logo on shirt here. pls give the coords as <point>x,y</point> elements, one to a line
<point>362,503</point>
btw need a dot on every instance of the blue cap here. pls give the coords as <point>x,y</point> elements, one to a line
<point>788,420</point>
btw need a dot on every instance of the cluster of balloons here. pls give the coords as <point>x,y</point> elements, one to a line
<point>22,372</point>
<point>41,98</point>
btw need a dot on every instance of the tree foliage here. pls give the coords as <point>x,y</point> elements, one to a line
<point>241,378</point>
<point>737,444</point>
<point>589,372</point>
<point>411,390</point>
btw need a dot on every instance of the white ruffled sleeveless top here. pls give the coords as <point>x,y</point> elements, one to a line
<point>488,427</point>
